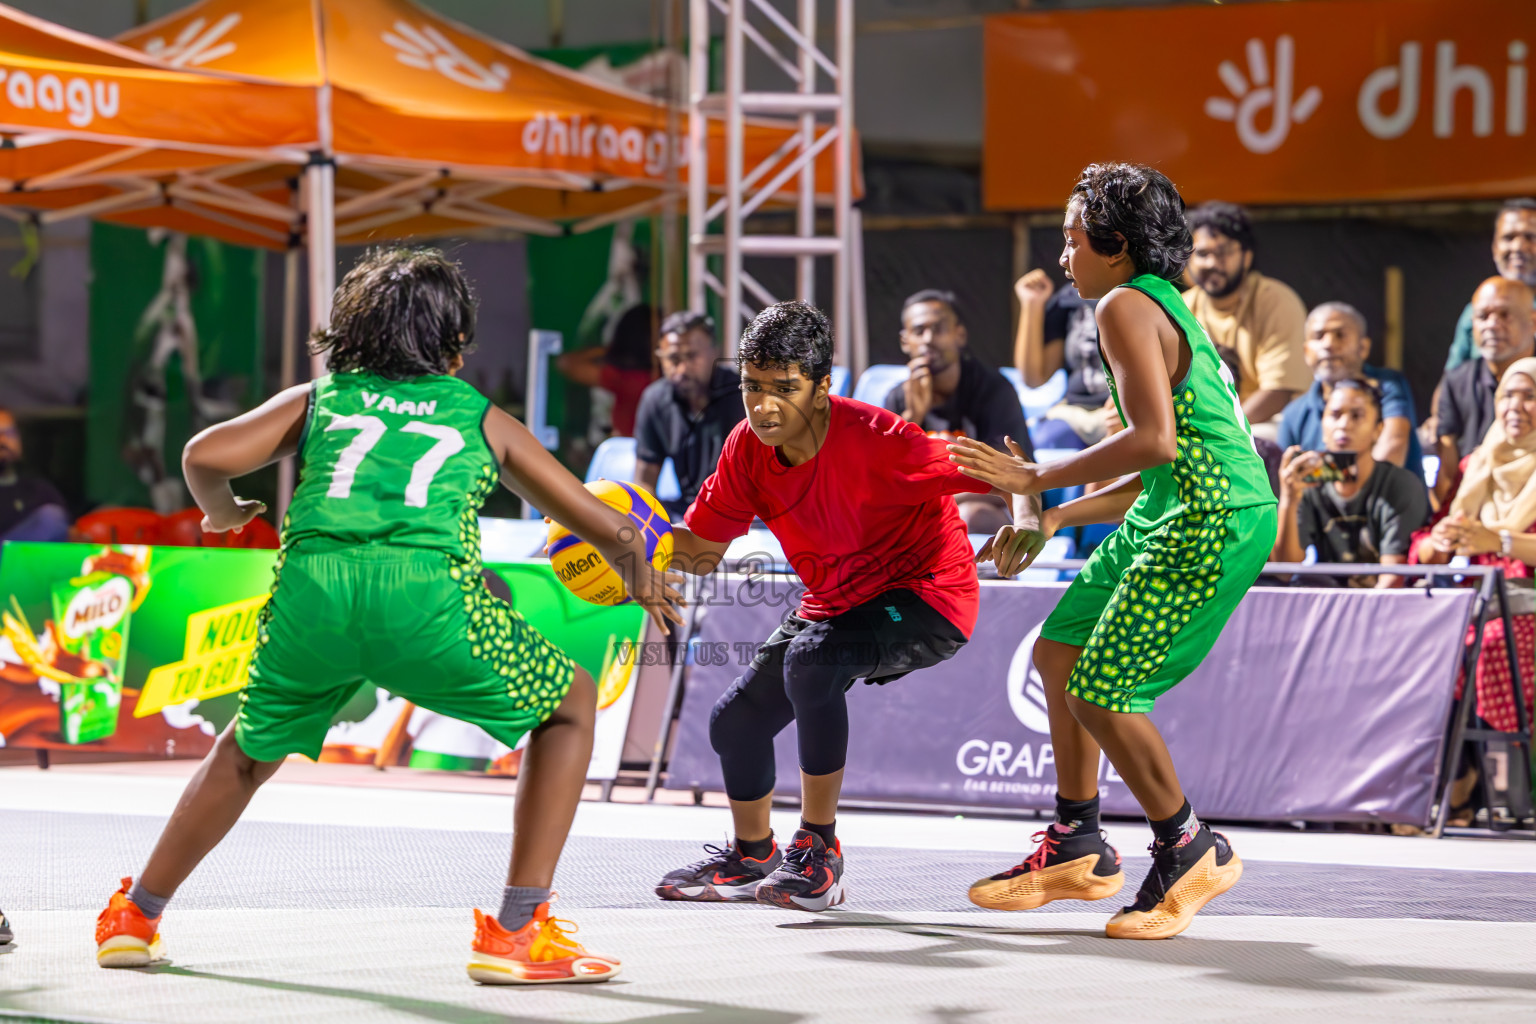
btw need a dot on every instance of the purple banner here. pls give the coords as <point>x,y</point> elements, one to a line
<point>1318,705</point>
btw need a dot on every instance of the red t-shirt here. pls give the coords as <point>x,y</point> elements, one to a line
<point>870,512</point>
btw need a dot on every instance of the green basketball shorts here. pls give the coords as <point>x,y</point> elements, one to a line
<point>412,621</point>
<point>1149,605</point>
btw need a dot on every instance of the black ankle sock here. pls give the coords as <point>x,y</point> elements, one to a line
<point>1172,832</point>
<point>757,849</point>
<point>828,833</point>
<point>1077,817</point>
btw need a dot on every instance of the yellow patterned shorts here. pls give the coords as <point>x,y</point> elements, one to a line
<point>1149,605</point>
<point>413,621</point>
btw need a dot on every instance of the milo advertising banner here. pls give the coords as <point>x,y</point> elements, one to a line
<point>144,650</point>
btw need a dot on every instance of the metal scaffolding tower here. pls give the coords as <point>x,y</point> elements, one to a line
<point>820,97</point>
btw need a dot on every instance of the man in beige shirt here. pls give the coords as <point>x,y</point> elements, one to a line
<point>1259,318</point>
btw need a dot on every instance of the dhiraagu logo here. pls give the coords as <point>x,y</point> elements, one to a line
<point>1267,90</point>
<point>197,44</point>
<point>426,48</point>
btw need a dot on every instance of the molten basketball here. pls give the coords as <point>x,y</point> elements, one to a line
<point>583,571</point>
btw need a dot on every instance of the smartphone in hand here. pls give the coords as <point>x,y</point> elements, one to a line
<point>1334,467</point>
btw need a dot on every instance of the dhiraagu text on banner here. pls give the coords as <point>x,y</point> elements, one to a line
<point>144,650</point>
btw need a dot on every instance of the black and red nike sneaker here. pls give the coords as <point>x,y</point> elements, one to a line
<point>811,877</point>
<point>724,876</point>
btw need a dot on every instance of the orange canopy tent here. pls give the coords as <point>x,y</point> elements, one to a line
<point>427,127</point>
<point>89,127</point>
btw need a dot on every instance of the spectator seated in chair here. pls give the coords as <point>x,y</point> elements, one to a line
<point>1337,345</point>
<point>1514,257</point>
<point>1491,519</point>
<point>1255,316</point>
<point>30,507</point>
<point>950,392</point>
<point>1505,330</point>
<point>1368,516</point>
<point>622,367</point>
<point>687,414</point>
<point>1057,330</point>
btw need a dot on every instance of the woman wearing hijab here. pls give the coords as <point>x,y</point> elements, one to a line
<point>1492,521</point>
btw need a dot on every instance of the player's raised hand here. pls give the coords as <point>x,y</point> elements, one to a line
<point>1007,472</point>
<point>240,512</point>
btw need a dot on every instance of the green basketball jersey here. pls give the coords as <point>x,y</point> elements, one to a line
<point>1217,466</point>
<point>401,462</point>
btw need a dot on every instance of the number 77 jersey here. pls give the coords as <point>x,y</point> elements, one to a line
<point>398,462</point>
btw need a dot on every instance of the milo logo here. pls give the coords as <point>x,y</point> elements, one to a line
<point>96,608</point>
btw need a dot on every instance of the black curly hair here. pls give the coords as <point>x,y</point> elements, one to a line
<point>399,313</point>
<point>1138,207</point>
<point>1227,219</point>
<point>786,334</point>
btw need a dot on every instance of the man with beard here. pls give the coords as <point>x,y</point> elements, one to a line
<point>1241,309</point>
<point>1514,255</point>
<point>950,393</point>
<point>687,414</point>
<point>30,507</point>
<point>1337,345</point>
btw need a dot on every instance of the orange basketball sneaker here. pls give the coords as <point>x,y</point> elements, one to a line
<point>538,953</point>
<point>124,936</point>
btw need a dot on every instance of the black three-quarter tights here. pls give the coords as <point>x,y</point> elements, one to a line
<point>802,672</point>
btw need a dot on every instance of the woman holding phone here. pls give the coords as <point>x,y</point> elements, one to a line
<point>1342,501</point>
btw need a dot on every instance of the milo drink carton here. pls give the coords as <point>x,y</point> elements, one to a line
<point>90,633</point>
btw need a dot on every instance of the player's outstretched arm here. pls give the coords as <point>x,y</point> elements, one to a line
<point>692,553</point>
<point>239,446</point>
<point>1129,335</point>
<point>531,472</point>
<point>1015,547</point>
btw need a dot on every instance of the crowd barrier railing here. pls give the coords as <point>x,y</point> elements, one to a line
<point>1462,729</point>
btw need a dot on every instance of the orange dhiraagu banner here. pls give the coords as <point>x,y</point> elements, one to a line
<point>1304,102</point>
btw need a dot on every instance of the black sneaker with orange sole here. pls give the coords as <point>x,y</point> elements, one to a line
<point>811,877</point>
<point>1184,878</point>
<point>725,876</point>
<point>1063,867</point>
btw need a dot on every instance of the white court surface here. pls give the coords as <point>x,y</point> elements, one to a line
<point>338,903</point>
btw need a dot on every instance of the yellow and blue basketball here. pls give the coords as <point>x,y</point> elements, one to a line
<point>583,571</point>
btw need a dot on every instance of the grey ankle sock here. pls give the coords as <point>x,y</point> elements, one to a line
<point>518,902</point>
<point>151,905</point>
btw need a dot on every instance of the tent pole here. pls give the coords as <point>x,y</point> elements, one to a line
<point>858,307</point>
<point>320,237</point>
<point>285,473</point>
<point>735,130</point>
<point>698,153</point>
<point>842,270</point>
<point>805,213</point>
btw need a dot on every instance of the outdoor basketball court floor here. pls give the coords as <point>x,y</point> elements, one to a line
<point>339,903</point>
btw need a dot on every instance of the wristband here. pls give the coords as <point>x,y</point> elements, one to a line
<point>1506,543</point>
